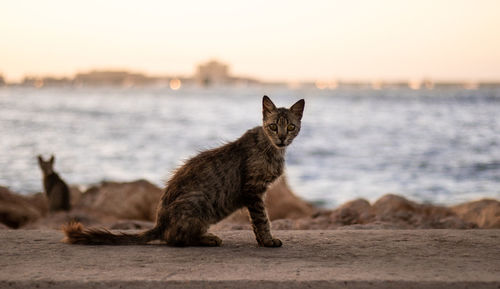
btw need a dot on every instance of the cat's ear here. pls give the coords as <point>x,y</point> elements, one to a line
<point>40,159</point>
<point>298,108</point>
<point>267,106</point>
<point>52,159</point>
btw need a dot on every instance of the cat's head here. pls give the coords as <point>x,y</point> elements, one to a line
<point>281,125</point>
<point>47,167</point>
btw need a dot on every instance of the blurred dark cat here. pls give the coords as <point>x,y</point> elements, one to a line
<point>56,190</point>
<point>214,184</point>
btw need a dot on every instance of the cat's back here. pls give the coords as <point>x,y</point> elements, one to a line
<point>219,169</point>
<point>222,158</point>
<point>57,192</point>
<point>54,182</point>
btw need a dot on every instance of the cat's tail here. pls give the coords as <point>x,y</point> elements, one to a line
<point>76,234</point>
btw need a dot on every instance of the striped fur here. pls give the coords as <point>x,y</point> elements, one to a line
<point>214,184</point>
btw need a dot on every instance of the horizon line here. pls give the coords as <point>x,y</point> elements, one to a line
<point>338,79</point>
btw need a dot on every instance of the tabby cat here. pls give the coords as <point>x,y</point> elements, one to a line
<point>56,190</point>
<point>214,184</point>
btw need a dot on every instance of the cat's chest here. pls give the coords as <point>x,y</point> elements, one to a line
<point>267,170</point>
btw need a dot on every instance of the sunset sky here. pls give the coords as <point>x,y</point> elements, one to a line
<point>270,40</point>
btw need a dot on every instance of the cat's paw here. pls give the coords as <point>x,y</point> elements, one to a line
<point>210,240</point>
<point>271,243</point>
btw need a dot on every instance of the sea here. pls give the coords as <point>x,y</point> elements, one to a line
<point>439,146</point>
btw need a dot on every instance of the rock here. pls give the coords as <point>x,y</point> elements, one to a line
<point>39,201</point>
<point>358,211</point>
<point>485,213</point>
<point>389,212</point>
<point>351,213</point>
<point>394,208</point>
<point>17,210</point>
<point>282,203</point>
<point>393,212</point>
<point>75,195</point>
<point>128,200</point>
<point>407,214</point>
<point>283,224</point>
<point>132,205</point>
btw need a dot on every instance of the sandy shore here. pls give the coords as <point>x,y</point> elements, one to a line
<point>313,259</point>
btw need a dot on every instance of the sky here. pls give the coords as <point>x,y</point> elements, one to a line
<point>270,40</point>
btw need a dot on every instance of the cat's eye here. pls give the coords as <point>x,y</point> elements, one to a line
<point>273,127</point>
<point>290,127</point>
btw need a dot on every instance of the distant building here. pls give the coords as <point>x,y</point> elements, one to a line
<point>53,81</point>
<point>243,81</point>
<point>32,81</point>
<point>2,80</point>
<point>112,78</point>
<point>212,73</point>
<point>39,82</point>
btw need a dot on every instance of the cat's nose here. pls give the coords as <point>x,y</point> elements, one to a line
<point>282,138</point>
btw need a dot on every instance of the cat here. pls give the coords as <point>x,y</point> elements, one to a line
<point>214,184</point>
<point>56,190</point>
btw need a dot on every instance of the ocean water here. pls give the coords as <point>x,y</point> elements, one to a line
<point>440,146</point>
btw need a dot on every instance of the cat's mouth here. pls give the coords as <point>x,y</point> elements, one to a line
<point>281,145</point>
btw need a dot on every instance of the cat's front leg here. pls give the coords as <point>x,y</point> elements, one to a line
<point>260,224</point>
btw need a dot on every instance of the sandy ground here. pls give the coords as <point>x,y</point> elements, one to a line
<point>313,259</point>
